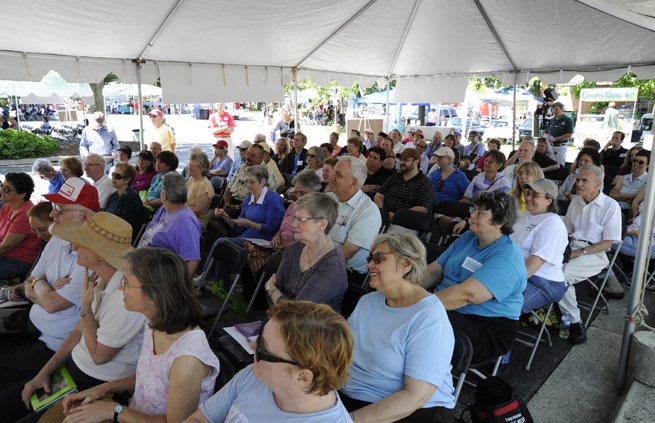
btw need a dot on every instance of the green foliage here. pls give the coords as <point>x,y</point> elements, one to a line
<point>110,78</point>
<point>24,145</point>
<point>484,85</point>
<point>325,92</point>
<point>629,80</point>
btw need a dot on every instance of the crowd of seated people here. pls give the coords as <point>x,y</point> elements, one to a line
<point>141,333</point>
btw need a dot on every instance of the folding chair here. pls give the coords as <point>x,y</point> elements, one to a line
<point>542,322</point>
<point>433,251</point>
<point>226,373</point>
<point>600,295</point>
<point>470,174</point>
<point>218,182</point>
<point>351,298</point>
<point>557,175</point>
<point>418,221</point>
<point>145,218</point>
<point>271,266</point>
<point>288,179</point>
<point>462,356</point>
<point>452,209</point>
<point>386,220</point>
<point>234,257</point>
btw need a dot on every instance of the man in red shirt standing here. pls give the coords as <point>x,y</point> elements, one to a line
<point>222,126</point>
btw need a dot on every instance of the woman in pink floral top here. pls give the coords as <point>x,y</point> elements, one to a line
<point>177,370</point>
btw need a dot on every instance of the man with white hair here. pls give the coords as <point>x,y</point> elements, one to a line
<point>94,165</point>
<point>611,116</point>
<point>593,221</point>
<point>527,151</point>
<point>98,138</point>
<point>358,221</point>
<point>55,288</point>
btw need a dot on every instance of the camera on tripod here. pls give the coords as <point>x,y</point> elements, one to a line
<point>545,111</point>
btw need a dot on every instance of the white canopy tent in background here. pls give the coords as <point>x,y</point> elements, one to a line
<point>253,55</point>
<point>116,89</point>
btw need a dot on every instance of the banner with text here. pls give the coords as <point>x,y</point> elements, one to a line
<point>609,94</point>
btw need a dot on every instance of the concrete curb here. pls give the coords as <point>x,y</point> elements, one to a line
<point>638,404</point>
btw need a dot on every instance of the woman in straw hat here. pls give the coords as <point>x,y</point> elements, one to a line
<point>105,344</point>
<point>177,369</point>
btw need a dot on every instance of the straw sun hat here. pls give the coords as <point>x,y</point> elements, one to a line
<point>106,235</point>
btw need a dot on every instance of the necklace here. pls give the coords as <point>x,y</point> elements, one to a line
<point>308,264</point>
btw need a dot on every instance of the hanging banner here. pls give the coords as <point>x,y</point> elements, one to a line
<point>608,94</point>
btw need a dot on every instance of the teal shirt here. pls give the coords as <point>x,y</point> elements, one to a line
<point>154,193</point>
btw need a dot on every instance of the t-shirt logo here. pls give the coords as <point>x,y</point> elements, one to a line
<point>236,416</point>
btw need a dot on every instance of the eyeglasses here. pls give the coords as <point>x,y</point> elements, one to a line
<point>520,174</point>
<point>117,176</point>
<point>529,194</point>
<point>302,219</point>
<point>6,189</point>
<point>375,258</point>
<point>641,162</point>
<point>478,212</point>
<point>152,117</point>
<point>312,156</point>
<point>60,211</point>
<point>262,356</point>
<point>124,284</point>
<point>39,230</point>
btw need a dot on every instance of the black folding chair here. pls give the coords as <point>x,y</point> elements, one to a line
<point>386,220</point>
<point>452,209</point>
<point>470,174</point>
<point>235,258</point>
<point>226,372</point>
<point>418,221</point>
<point>145,219</point>
<point>271,266</point>
<point>462,356</point>
<point>351,298</point>
<point>288,179</point>
<point>433,251</point>
<point>219,184</point>
<point>557,175</point>
<point>612,171</point>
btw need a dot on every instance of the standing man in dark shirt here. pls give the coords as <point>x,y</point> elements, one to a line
<point>286,126</point>
<point>377,174</point>
<point>613,153</point>
<point>559,132</point>
<point>409,189</point>
<point>296,160</point>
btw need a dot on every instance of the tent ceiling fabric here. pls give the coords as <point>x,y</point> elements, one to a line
<point>354,40</point>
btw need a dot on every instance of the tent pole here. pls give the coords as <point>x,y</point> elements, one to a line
<point>295,100</point>
<point>17,109</point>
<point>386,115</point>
<point>516,77</point>
<point>140,103</point>
<point>641,261</point>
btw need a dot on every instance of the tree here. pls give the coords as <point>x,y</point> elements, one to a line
<point>98,99</point>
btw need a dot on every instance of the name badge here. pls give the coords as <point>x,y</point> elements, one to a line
<point>299,162</point>
<point>471,265</point>
<point>622,155</point>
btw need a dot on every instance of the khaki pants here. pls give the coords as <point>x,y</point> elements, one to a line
<point>578,270</point>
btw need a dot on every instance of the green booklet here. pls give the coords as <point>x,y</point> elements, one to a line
<point>61,384</point>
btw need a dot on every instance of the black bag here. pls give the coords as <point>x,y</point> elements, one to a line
<point>496,402</point>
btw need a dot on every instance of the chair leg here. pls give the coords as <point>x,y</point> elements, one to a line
<point>254,295</point>
<point>225,305</point>
<point>538,337</point>
<point>203,276</point>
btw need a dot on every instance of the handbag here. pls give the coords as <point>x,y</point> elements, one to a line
<point>496,402</point>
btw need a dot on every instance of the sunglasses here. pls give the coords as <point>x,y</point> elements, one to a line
<point>439,184</point>
<point>641,162</point>
<point>375,258</point>
<point>117,176</point>
<point>312,156</point>
<point>262,356</point>
<point>6,189</point>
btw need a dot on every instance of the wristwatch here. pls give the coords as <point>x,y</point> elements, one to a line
<point>84,313</point>
<point>117,410</point>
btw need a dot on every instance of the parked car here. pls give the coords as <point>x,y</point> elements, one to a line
<point>501,129</point>
<point>448,112</point>
<point>525,128</point>
<point>471,125</point>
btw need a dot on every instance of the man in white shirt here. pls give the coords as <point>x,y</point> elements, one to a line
<point>431,119</point>
<point>593,221</point>
<point>94,167</point>
<point>55,287</point>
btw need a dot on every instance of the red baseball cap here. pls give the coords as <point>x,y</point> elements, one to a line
<point>221,143</point>
<point>76,191</point>
<point>155,112</point>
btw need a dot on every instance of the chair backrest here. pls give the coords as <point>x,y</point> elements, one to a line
<point>415,220</point>
<point>563,206</point>
<point>217,183</point>
<point>433,251</point>
<point>288,179</point>
<point>230,255</point>
<point>454,209</point>
<point>273,262</point>
<point>386,220</point>
<point>145,215</point>
<point>226,372</point>
<point>612,171</point>
<point>557,175</point>
<point>462,353</point>
<point>351,298</point>
<point>470,174</point>
<point>216,199</point>
<point>202,243</point>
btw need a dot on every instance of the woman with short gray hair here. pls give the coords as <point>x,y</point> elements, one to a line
<point>174,226</point>
<point>480,279</point>
<point>44,169</point>
<point>313,268</point>
<point>315,159</point>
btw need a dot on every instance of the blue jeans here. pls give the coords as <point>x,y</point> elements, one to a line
<point>11,268</point>
<point>219,270</point>
<point>540,292</point>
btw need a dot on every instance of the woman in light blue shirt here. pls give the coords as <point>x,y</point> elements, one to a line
<point>403,341</point>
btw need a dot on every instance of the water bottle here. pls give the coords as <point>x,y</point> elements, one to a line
<point>565,326</point>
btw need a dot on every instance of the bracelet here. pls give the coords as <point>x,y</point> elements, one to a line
<point>36,280</point>
<point>637,232</point>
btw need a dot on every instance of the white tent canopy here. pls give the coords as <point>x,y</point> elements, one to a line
<point>363,40</point>
<point>51,87</point>
<point>115,89</point>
